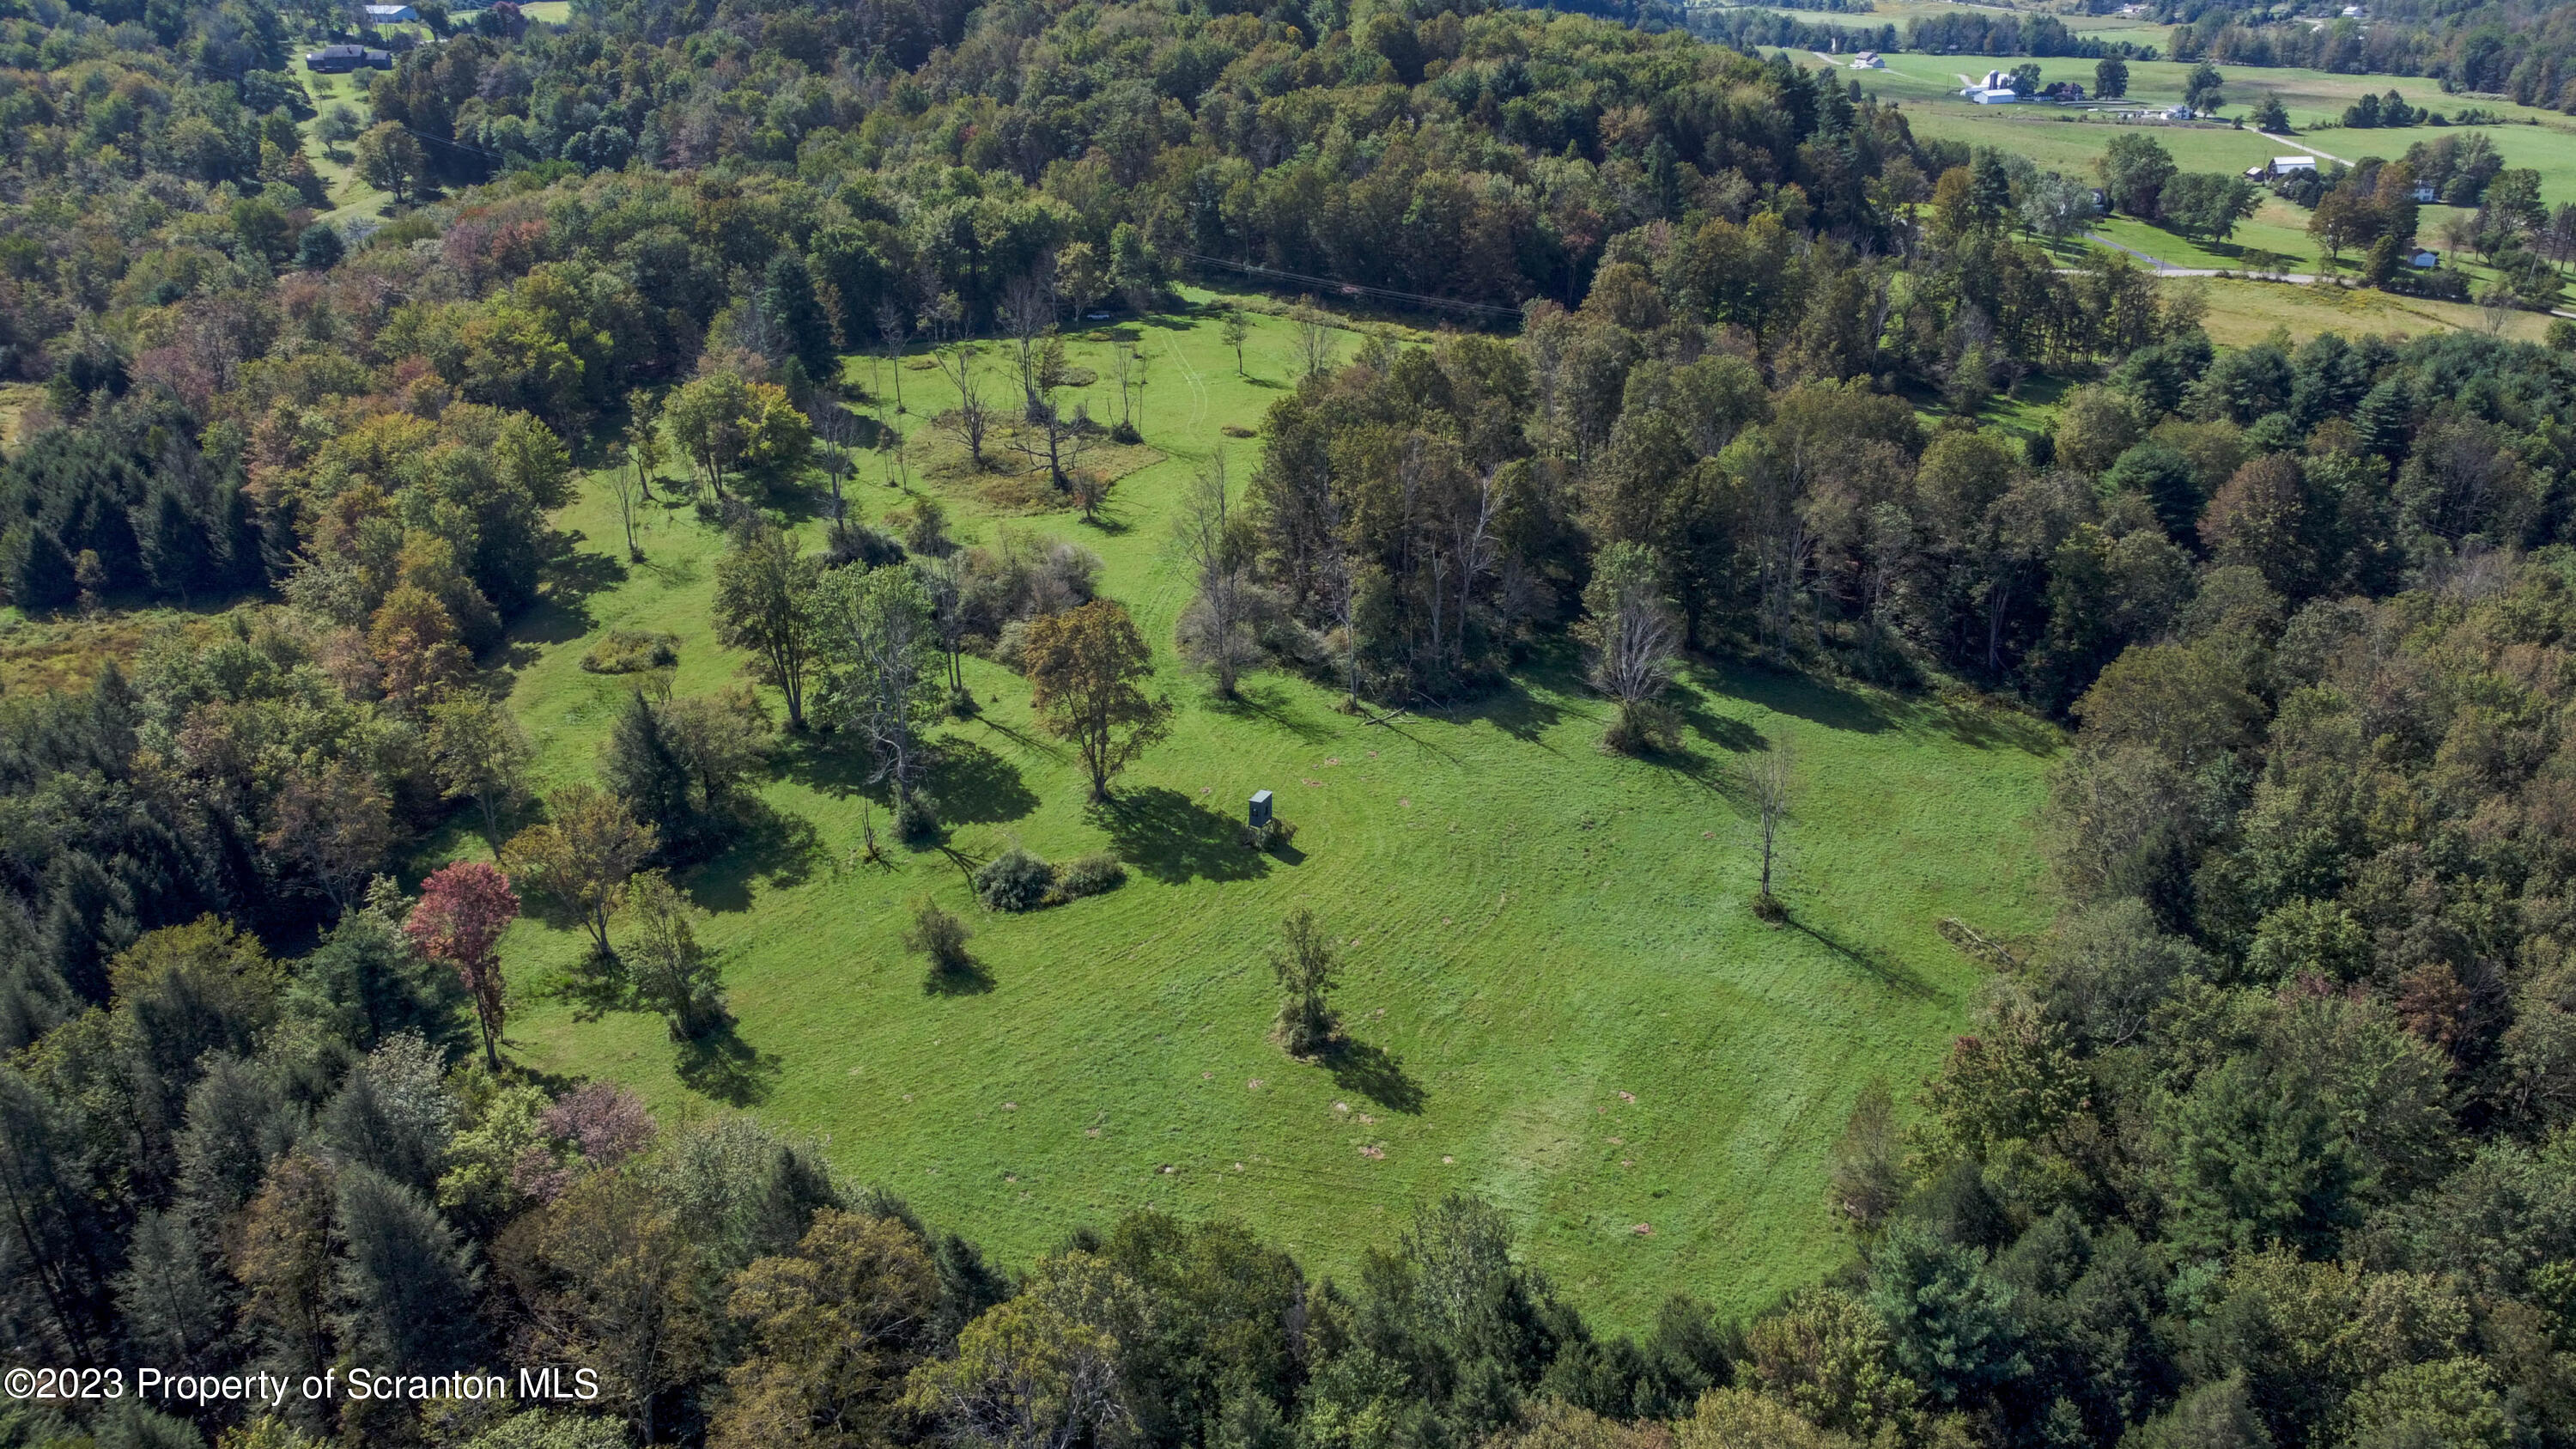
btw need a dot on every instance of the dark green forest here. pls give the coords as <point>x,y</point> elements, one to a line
<point>2266,1143</point>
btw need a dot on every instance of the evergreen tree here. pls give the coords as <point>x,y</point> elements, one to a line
<point>238,1122</point>
<point>368,985</point>
<point>642,769</point>
<point>408,1285</point>
<point>787,295</point>
<point>169,1301</point>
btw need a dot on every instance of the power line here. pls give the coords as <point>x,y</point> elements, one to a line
<point>1353,289</point>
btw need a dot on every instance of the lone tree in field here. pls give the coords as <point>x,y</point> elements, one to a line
<point>939,935</point>
<point>1306,965</point>
<point>672,973</point>
<point>1314,338</point>
<point>581,857</point>
<point>765,602</point>
<point>972,418</point>
<point>458,922</point>
<point>1235,331</point>
<point>1632,633</point>
<point>625,486</point>
<point>1766,782</point>
<point>1086,670</point>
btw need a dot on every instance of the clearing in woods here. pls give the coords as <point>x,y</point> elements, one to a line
<point>1560,996</point>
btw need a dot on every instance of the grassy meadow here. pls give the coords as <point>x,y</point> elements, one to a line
<point>1560,996</point>
<point>2071,139</point>
<point>2068,138</point>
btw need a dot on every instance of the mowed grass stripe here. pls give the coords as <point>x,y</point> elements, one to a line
<point>1521,970</point>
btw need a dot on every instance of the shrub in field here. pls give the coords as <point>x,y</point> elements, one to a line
<point>1087,875</point>
<point>939,935</point>
<point>632,651</point>
<point>1013,881</point>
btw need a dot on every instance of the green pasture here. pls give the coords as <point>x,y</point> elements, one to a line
<point>2067,138</point>
<point>1560,996</point>
<point>2241,311</point>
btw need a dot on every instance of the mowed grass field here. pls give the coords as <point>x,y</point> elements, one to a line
<point>2068,139</point>
<point>2240,312</point>
<point>1560,997</point>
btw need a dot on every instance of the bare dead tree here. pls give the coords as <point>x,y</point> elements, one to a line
<point>626,486</point>
<point>838,431</point>
<point>1767,780</point>
<point>1633,633</point>
<point>894,328</point>
<point>1028,315</point>
<point>1213,632</point>
<point>1315,340</point>
<point>972,419</point>
<point>1059,436</point>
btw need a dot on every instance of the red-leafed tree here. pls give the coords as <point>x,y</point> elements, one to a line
<point>462,912</point>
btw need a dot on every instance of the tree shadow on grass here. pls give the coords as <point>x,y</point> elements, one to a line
<point>1109,519</point>
<point>1033,743</point>
<point>1518,711</point>
<point>594,984</point>
<point>1807,699</point>
<point>1724,731</point>
<point>775,848</point>
<point>1172,838</point>
<point>967,978</point>
<point>1374,1073</point>
<point>722,1065</point>
<point>1881,967</point>
<point>674,573</point>
<point>565,584</point>
<point>1990,727</point>
<point>1266,701</point>
<point>975,786</point>
<point>830,764</point>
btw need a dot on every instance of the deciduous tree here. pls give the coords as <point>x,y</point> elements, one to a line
<point>390,160</point>
<point>581,858</point>
<point>1087,668</point>
<point>833,1328</point>
<point>1767,785</point>
<point>629,1296</point>
<point>1040,1371</point>
<point>880,645</point>
<point>462,911</point>
<point>671,972</point>
<point>1235,330</point>
<point>1215,633</point>
<point>481,755</point>
<point>1306,965</point>
<point>766,602</point>
<point>335,825</point>
<point>1632,632</point>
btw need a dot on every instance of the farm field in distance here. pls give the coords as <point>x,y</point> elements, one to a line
<point>1563,1001</point>
<point>2068,138</point>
